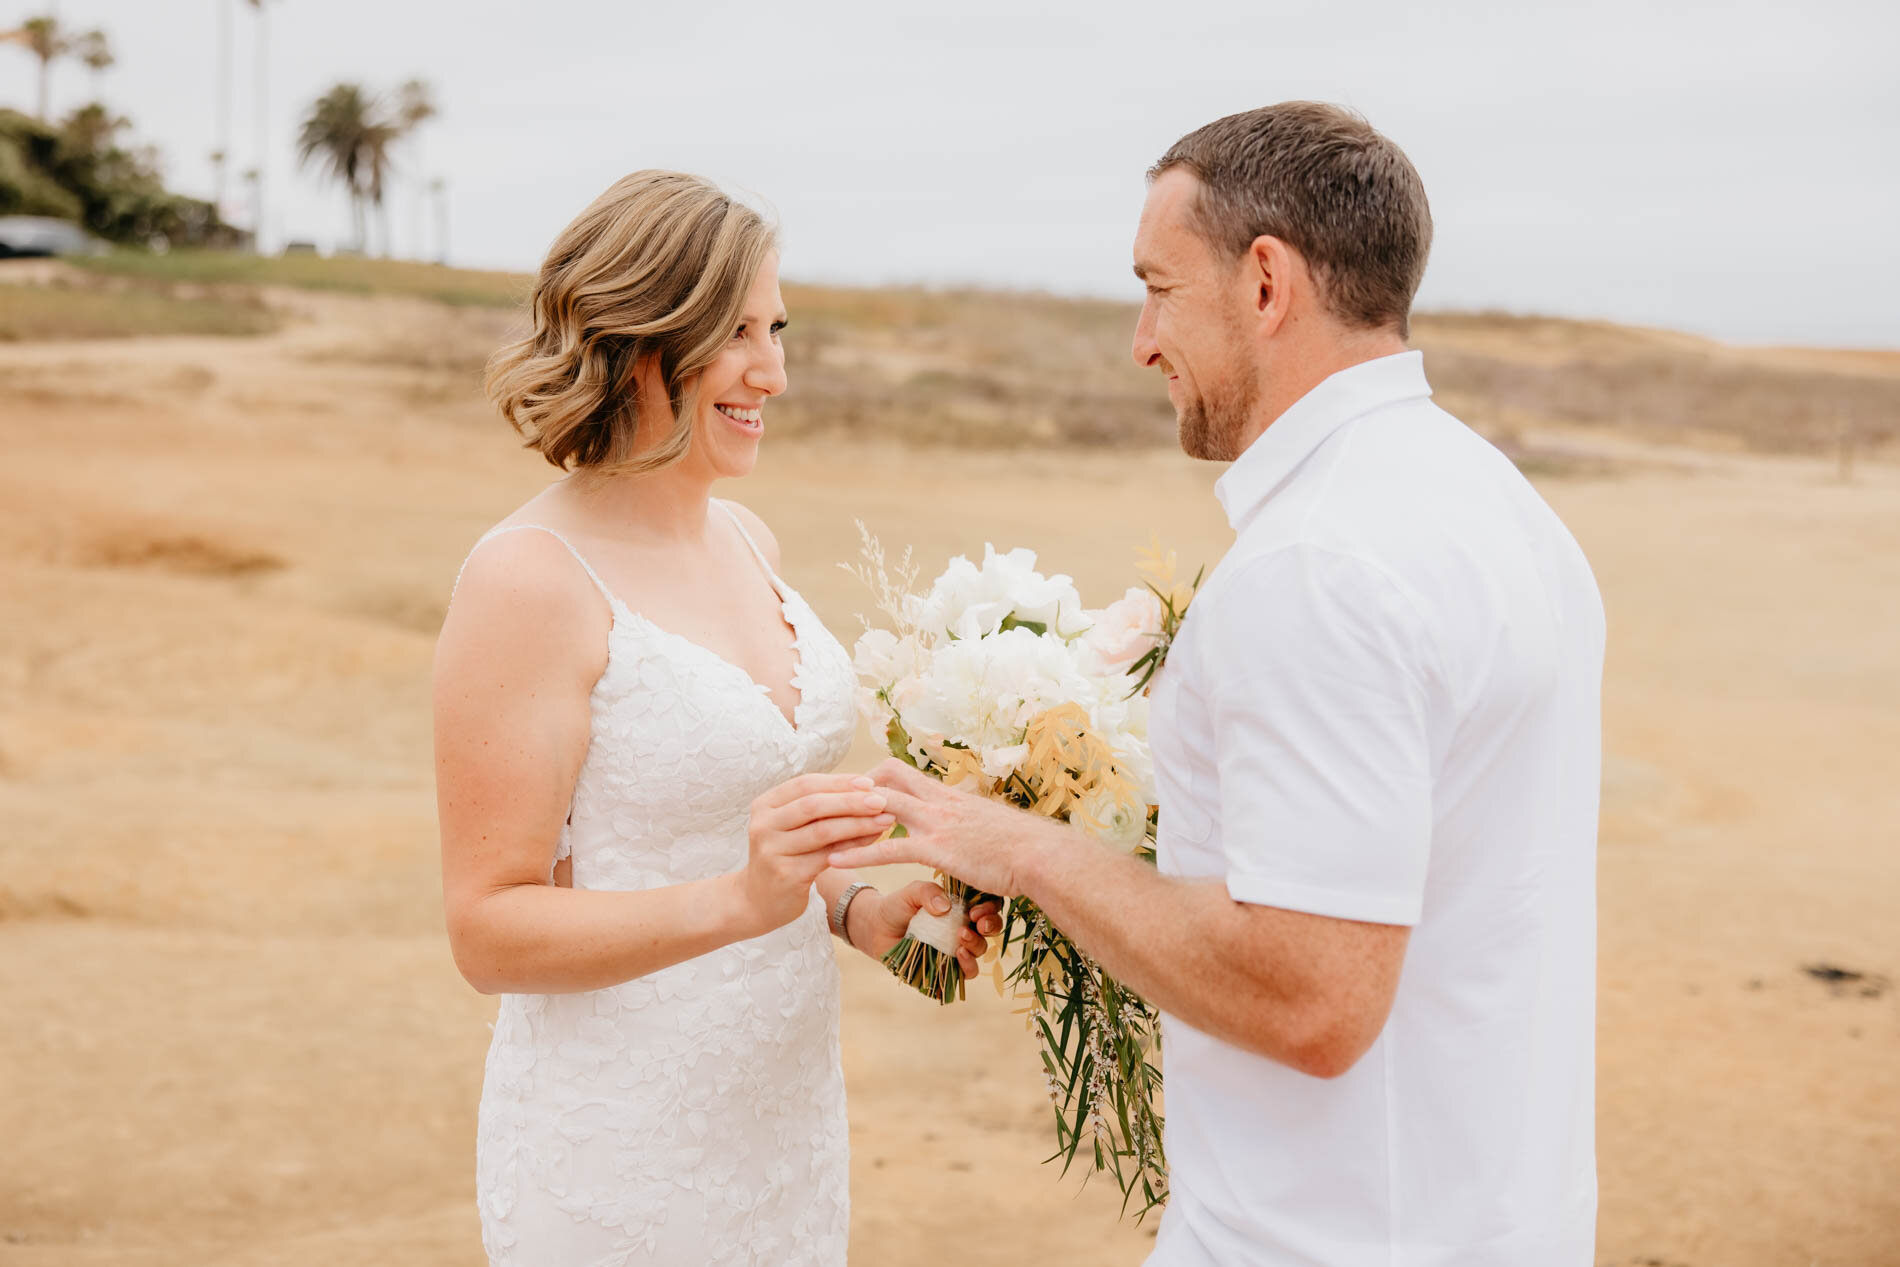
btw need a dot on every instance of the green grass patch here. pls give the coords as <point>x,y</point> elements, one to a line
<point>350,274</point>
<point>60,312</point>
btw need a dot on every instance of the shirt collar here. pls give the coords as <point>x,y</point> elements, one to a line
<point>1291,438</point>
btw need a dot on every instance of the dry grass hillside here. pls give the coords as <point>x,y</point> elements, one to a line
<point>1005,370</point>
<point>234,1037</point>
<point>975,368</point>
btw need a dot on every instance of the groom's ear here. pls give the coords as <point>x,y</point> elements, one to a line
<point>1270,265</point>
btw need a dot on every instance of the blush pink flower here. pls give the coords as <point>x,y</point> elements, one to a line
<point>1125,630</point>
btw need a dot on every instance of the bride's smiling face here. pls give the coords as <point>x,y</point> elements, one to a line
<point>734,389</point>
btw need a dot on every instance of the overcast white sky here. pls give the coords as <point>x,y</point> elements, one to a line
<point>1731,168</point>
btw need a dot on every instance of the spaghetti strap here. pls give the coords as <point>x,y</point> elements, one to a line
<point>578,558</point>
<point>753,545</point>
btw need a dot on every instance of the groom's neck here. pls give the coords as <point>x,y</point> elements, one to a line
<point>1304,355</point>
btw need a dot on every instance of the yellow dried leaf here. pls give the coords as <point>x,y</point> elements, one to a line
<point>960,766</point>
<point>1156,565</point>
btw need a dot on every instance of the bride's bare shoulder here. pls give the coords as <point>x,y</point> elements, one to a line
<point>755,527</point>
<point>521,591</point>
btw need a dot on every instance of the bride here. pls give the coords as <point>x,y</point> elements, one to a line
<point>634,716</point>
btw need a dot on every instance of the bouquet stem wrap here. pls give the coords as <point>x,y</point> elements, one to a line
<point>927,957</point>
<point>939,932</point>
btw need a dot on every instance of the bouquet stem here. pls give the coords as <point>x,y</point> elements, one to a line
<point>926,959</point>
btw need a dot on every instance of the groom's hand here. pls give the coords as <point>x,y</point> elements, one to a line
<point>982,842</point>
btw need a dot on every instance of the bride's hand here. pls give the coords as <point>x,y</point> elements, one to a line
<point>877,921</point>
<point>794,828</point>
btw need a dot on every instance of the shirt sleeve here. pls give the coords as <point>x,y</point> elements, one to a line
<point>1320,672</point>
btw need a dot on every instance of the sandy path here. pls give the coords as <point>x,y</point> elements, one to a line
<point>235,1034</point>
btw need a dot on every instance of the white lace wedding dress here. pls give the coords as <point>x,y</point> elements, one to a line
<point>695,1115</point>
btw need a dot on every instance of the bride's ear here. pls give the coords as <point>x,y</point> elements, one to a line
<point>649,383</point>
<point>652,407</point>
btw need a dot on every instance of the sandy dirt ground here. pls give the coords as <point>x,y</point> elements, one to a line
<point>233,1033</point>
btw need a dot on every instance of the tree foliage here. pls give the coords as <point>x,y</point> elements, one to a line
<point>350,135</point>
<point>83,169</point>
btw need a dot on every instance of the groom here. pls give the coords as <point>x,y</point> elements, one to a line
<point>1376,741</point>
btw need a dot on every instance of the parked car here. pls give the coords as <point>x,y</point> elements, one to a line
<point>44,235</point>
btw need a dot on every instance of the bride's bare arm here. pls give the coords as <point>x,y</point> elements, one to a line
<point>524,641</point>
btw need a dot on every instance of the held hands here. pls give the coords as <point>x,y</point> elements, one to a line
<point>794,829</point>
<point>983,843</point>
<point>798,826</point>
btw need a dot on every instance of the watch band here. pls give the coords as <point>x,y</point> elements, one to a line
<point>842,907</point>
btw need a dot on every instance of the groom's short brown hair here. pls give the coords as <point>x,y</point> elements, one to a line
<point>1322,180</point>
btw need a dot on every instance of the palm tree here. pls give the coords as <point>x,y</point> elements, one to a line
<point>253,181</point>
<point>378,172</point>
<point>440,188</point>
<point>346,133</point>
<point>43,38</point>
<point>227,72</point>
<point>93,49</point>
<point>263,116</point>
<point>415,106</point>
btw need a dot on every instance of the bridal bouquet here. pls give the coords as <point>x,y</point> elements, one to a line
<point>997,679</point>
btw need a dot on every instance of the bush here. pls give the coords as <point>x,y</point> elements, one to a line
<point>79,171</point>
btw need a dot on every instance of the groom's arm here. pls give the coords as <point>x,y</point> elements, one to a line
<point>1309,991</point>
<point>1312,680</point>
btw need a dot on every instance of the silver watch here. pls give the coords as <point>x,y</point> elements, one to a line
<point>842,907</point>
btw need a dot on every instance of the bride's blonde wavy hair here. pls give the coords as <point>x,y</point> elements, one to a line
<point>658,266</point>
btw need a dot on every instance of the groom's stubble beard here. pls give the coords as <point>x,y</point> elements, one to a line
<point>1210,429</point>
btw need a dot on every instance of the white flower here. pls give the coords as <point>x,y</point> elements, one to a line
<point>1125,630</point>
<point>971,602</point>
<point>874,712</point>
<point>882,658</point>
<point>1134,710</point>
<point>957,601</point>
<point>885,664</point>
<point>982,692</point>
<point>959,679</point>
<point>1127,734</point>
<point>1000,763</point>
<point>1111,819</point>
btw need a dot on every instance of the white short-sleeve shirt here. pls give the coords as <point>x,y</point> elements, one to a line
<point>1385,706</point>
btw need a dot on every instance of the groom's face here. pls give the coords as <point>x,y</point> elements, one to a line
<point>1193,324</point>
